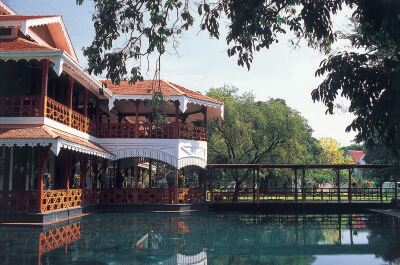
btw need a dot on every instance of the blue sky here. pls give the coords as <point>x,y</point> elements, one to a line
<point>280,72</point>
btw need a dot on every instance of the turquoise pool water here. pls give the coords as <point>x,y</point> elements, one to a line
<point>207,238</point>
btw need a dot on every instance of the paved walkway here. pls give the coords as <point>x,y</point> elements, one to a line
<point>392,212</point>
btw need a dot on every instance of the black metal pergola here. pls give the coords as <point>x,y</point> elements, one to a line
<point>302,168</point>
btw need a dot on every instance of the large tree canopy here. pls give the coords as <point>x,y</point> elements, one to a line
<point>368,76</point>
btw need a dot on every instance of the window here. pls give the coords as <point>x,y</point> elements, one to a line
<point>5,31</point>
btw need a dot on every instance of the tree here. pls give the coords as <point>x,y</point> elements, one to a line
<point>257,132</point>
<point>368,75</point>
<point>330,153</point>
<point>380,154</point>
<point>130,30</point>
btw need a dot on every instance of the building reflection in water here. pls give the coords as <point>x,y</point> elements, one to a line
<point>203,239</point>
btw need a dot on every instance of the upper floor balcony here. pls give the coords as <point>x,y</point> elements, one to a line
<point>127,114</point>
<point>28,106</point>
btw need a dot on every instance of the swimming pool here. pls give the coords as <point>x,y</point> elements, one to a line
<point>207,238</point>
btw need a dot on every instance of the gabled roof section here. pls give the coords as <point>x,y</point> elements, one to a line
<point>44,29</point>
<point>45,135</point>
<point>147,87</point>
<point>5,9</point>
<point>357,155</point>
<point>20,44</point>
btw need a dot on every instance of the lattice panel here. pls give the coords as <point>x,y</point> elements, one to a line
<point>79,122</point>
<point>59,237</point>
<point>57,111</point>
<point>190,132</point>
<point>74,198</point>
<point>191,195</point>
<point>54,200</point>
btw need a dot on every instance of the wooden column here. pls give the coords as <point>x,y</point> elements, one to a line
<point>177,119</point>
<point>43,89</point>
<point>296,194</point>
<point>67,171</point>
<point>350,194</point>
<point>85,102</point>
<point>136,171</point>
<point>205,116</point>
<point>338,184</point>
<point>84,169</point>
<point>137,104</point>
<point>43,156</point>
<point>70,94</point>
<point>97,111</point>
<point>176,186</point>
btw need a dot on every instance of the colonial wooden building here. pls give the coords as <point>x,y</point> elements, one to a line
<point>68,139</point>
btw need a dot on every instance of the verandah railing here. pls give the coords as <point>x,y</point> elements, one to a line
<point>28,106</point>
<point>61,113</point>
<point>152,131</point>
<point>62,199</point>
<point>19,106</point>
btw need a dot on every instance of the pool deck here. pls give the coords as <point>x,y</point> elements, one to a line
<point>61,216</point>
<point>392,212</point>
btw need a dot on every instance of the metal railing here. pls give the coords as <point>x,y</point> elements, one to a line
<point>307,194</point>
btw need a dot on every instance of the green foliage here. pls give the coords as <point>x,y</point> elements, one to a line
<point>127,29</point>
<point>258,132</point>
<point>367,75</point>
<point>380,154</point>
<point>370,75</point>
<point>359,147</point>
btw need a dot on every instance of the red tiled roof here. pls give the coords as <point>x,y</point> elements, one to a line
<point>147,87</point>
<point>21,17</point>
<point>46,132</point>
<point>20,44</point>
<point>356,154</point>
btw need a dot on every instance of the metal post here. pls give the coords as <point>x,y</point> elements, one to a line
<point>296,195</point>
<point>340,228</point>
<point>258,184</point>
<point>254,186</point>
<point>351,229</point>
<point>395,191</point>
<point>350,195</point>
<point>303,184</point>
<point>211,184</point>
<point>150,173</point>
<point>10,172</point>
<point>338,184</point>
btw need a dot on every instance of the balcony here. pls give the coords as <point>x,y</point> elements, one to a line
<point>28,106</point>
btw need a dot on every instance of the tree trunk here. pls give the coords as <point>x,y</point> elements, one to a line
<point>237,190</point>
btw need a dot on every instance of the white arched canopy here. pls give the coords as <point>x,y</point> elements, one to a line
<point>175,152</point>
